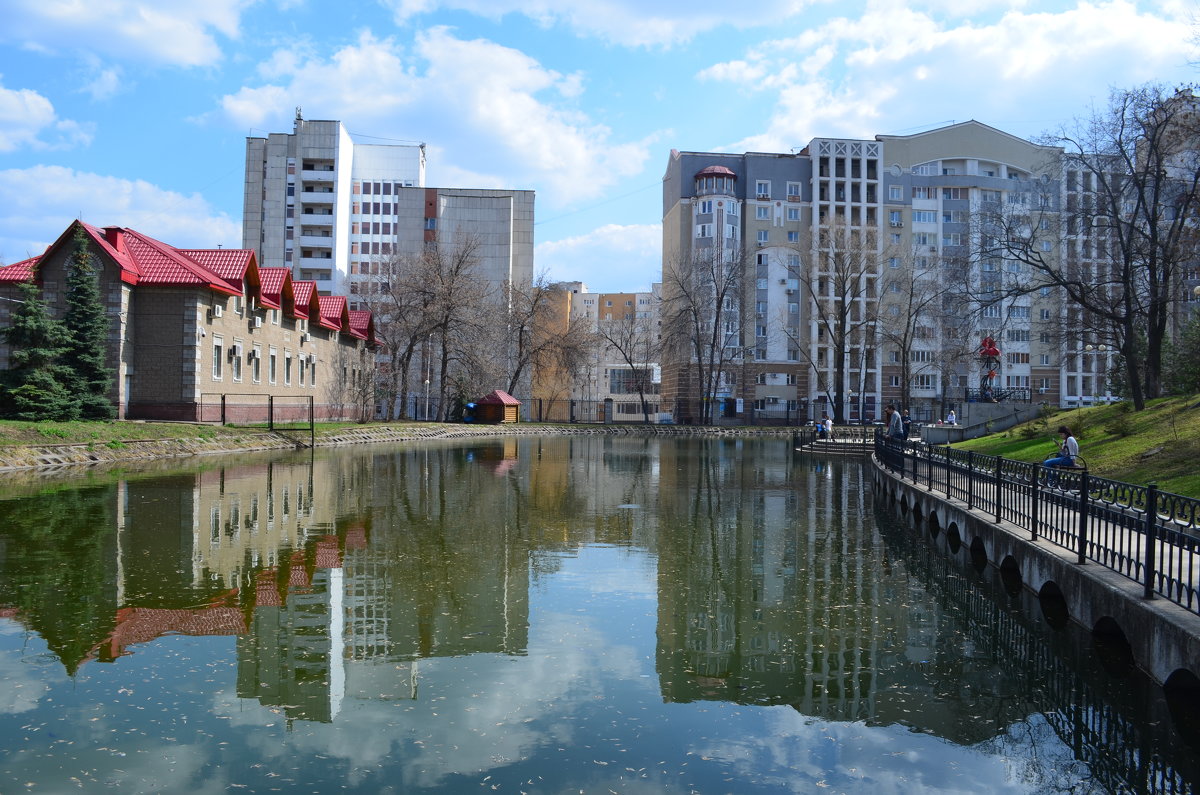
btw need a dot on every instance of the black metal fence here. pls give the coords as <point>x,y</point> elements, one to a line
<point>1150,536</point>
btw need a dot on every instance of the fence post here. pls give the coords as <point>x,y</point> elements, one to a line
<point>970,480</point>
<point>999,485</point>
<point>928,467</point>
<point>1082,533</point>
<point>1035,503</point>
<point>1151,534</point>
<point>312,423</point>
<point>222,408</point>
<point>270,412</point>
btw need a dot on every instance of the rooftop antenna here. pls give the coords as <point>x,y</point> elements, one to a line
<point>299,115</point>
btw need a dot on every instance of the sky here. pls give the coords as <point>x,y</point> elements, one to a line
<point>135,113</point>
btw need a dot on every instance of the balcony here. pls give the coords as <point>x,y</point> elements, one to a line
<point>317,241</point>
<point>317,197</point>
<point>318,175</point>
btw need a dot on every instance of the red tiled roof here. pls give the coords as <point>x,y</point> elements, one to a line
<point>715,171</point>
<point>18,272</point>
<point>271,282</point>
<point>304,293</point>
<point>333,311</point>
<point>499,396</point>
<point>231,264</point>
<point>361,325</point>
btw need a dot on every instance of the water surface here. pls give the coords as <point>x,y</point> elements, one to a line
<point>587,614</point>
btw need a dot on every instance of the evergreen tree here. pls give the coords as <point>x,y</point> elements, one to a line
<point>87,324</point>
<point>34,386</point>
<point>1183,360</point>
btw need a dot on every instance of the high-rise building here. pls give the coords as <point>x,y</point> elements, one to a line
<point>841,277</point>
<point>332,207</point>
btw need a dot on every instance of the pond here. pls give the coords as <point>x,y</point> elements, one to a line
<point>587,614</point>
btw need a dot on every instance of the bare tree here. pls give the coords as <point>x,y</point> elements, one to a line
<point>633,339</point>
<point>1131,172</point>
<point>703,322</point>
<point>840,281</point>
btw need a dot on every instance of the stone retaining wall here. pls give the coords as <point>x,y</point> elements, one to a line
<point>85,454</point>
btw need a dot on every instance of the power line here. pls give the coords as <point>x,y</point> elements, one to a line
<point>599,204</point>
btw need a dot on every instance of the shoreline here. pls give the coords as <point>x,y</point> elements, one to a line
<point>25,458</point>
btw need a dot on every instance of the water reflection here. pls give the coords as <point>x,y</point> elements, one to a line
<point>586,612</point>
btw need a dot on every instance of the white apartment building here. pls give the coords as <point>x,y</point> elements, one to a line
<point>332,207</point>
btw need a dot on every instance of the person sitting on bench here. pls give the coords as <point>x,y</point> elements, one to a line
<point>1068,449</point>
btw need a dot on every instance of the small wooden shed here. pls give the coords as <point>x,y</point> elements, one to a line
<point>497,406</point>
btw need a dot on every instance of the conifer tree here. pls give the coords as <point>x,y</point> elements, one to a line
<point>87,325</point>
<point>34,385</point>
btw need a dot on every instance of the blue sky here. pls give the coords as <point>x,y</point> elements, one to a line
<point>135,113</point>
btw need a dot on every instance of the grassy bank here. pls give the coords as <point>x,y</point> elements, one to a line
<point>1158,445</point>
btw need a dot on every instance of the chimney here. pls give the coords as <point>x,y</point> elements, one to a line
<point>115,237</point>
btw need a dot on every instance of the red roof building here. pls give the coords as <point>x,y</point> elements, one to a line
<point>195,330</point>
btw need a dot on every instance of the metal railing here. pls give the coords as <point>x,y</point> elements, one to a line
<point>1149,536</point>
<point>1019,394</point>
<point>857,435</point>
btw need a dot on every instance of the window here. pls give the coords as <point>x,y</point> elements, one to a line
<point>256,364</point>
<point>706,206</point>
<point>1017,335</point>
<point>895,192</point>
<point>287,368</point>
<point>1044,359</point>
<point>303,370</point>
<point>762,213</point>
<point>894,380</point>
<point>924,217</point>
<point>1021,312</point>
<point>793,308</point>
<point>922,356</point>
<point>1046,245</point>
<point>989,195</point>
<point>924,381</point>
<point>991,310</point>
<point>952,193</point>
<point>793,213</point>
<point>731,208</point>
<point>949,171</point>
<point>1045,314</point>
<point>272,366</point>
<point>793,190</point>
<point>894,218</point>
<point>793,354</point>
<point>793,237</point>
<point>922,192</point>
<point>704,230</point>
<point>235,361</point>
<point>760,378</point>
<point>762,187</point>
<point>218,358</point>
<point>760,331</point>
<point>952,239</point>
<point>1018,358</point>
<point>793,261</point>
<point>763,236</point>
<point>894,238</point>
<point>791,379</point>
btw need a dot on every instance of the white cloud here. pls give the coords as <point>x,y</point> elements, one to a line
<point>41,201</point>
<point>104,82</point>
<point>611,258</point>
<point>503,113</point>
<point>27,119</point>
<point>626,22</point>
<point>1027,65</point>
<point>179,32</point>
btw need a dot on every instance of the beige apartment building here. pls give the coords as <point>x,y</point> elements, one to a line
<point>855,281</point>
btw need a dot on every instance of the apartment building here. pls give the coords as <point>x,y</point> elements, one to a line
<point>333,207</point>
<point>854,280</point>
<point>624,366</point>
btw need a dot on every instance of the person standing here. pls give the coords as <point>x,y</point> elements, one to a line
<point>895,426</point>
<point>906,421</point>
<point>951,419</point>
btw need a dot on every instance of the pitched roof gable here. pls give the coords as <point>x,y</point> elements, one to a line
<point>362,325</point>
<point>306,306</point>
<point>275,288</point>
<point>334,314</point>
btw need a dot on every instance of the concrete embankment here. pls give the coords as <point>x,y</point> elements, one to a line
<point>85,454</point>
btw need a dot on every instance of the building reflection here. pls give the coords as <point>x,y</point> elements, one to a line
<point>340,574</point>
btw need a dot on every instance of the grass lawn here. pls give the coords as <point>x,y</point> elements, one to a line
<point>1158,445</point>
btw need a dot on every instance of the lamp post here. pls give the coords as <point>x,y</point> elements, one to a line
<point>1102,350</point>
